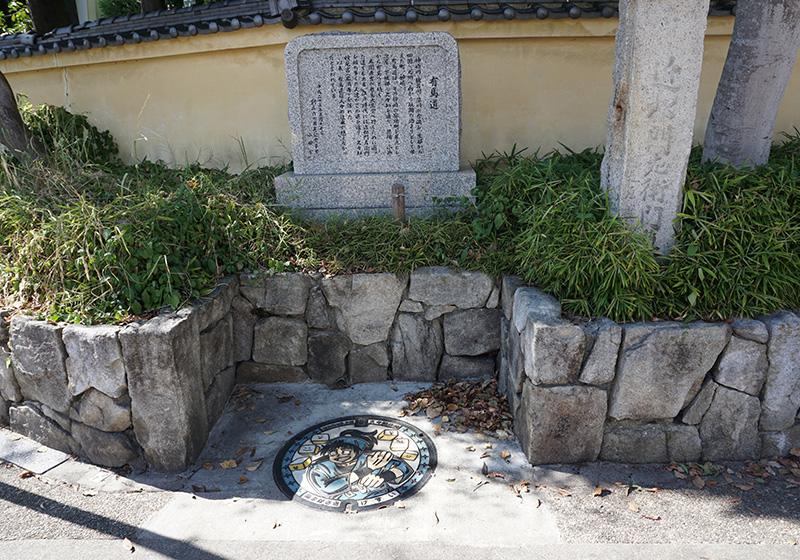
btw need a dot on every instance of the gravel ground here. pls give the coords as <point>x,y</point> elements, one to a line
<point>37,508</point>
<point>663,509</point>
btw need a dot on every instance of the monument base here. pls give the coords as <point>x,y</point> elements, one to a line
<point>370,193</point>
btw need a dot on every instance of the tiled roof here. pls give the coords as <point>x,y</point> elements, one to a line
<point>232,15</point>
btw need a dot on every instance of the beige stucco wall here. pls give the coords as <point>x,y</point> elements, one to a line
<point>221,99</point>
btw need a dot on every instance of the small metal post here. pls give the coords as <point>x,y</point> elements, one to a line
<point>399,202</point>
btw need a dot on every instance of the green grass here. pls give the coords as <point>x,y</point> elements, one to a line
<point>85,238</point>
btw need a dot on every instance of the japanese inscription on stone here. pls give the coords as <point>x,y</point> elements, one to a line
<point>374,103</point>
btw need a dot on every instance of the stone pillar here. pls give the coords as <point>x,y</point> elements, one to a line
<point>658,56</point>
<point>760,60</point>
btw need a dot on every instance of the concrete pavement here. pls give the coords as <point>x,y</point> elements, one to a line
<point>210,512</point>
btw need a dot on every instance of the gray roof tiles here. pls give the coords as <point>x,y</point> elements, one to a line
<point>233,15</point>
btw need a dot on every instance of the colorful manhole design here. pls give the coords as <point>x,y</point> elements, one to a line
<point>355,463</point>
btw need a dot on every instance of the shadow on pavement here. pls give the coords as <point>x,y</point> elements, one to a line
<point>172,548</point>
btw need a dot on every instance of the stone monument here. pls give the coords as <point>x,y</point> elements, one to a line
<point>369,113</point>
<point>658,56</point>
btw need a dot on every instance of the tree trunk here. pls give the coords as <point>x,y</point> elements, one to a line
<point>48,14</point>
<point>153,5</point>
<point>766,37</point>
<point>13,134</point>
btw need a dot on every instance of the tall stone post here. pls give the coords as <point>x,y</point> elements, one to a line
<point>658,56</point>
<point>760,60</point>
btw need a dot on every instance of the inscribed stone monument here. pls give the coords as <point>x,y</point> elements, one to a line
<point>369,111</point>
<point>659,51</point>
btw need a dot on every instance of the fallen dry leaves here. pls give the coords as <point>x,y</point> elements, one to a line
<point>463,406</point>
<point>754,473</point>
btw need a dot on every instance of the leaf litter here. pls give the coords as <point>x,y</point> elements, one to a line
<point>463,406</point>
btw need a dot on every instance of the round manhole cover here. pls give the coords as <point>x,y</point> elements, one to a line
<point>355,463</point>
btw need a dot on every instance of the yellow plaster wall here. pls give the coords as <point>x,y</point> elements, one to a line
<point>221,99</point>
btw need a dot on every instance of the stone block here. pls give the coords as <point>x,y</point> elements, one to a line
<point>216,348</point>
<point>100,411</point>
<point>368,364</point>
<point>286,294</point>
<point>600,366</point>
<point>215,304</point>
<point>436,311</point>
<point>94,359</point>
<point>466,367</point>
<point>508,287</point>
<point>9,389</point>
<point>552,351</point>
<point>243,322</point>
<point>516,371</point>
<point>280,341</point>
<point>662,366</point>
<point>317,313</point>
<point>635,444</point>
<point>411,306</point>
<point>424,135</point>
<point>327,355</point>
<point>104,449</point>
<point>502,358</point>
<point>417,347</point>
<point>683,443</point>
<point>729,429</point>
<point>5,314</point>
<point>30,421</point>
<point>364,304</point>
<point>38,357</point>
<point>494,298</point>
<point>780,398</point>
<point>693,413</point>
<point>439,285</point>
<point>218,394</point>
<point>370,193</point>
<point>743,366</point>
<point>251,287</point>
<point>658,58</point>
<point>516,361</point>
<point>534,304</point>
<point>472,332</point>
<point>751,330</point>
<point>561,424</point>
<point>252,372</point>
<point>61,419</point>
<point>162,360</point>
<point>4,406</point>
<point>779,444</point>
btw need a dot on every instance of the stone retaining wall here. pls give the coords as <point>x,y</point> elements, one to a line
<point>647,392</point>
<point>149,392</point>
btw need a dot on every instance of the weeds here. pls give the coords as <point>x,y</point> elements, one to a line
<point>85,238</point>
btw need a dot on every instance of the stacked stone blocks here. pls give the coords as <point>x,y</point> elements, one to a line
<point>648,392</point>
<point>433,324</point>
<point>150,391</point>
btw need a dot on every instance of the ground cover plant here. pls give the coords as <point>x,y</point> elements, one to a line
<point>85,238</point>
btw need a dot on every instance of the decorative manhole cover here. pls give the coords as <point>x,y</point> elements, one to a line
<point>355,463</point>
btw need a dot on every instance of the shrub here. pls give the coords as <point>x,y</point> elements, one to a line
<point>65,134</point>
<point>86,238</point>
<point>17,19</point>
<point>116,8</point>
<point>738,250</point>
<point>566,241</point>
